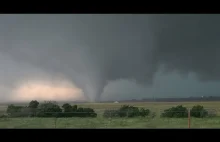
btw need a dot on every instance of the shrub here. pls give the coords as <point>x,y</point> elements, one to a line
<point>74,108</point>
<point>15,111</point>
<point>33,104</point>
<point>127,111</point>
<point>175,112</point>
<point>144,112</point>
<point>74,111</point>
<point>67,107</point>
<point>49,109</point>
<point>85,112</point>
<point>198,111</point>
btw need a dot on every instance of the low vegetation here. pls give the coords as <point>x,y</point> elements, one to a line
<point>49,109</point>
<point>179,111</point>
<point>52,109</point>
<point>69,119</point>
<point>127,111</point>
<point>175,112</point>
<point>198,111</point>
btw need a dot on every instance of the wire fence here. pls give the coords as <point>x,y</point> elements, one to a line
<point>156,119</point>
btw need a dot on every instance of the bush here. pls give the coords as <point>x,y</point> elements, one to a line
<point>198,111</point>
<point>49,109</point>
<point>67,107</point>
<point>52,109</point>
<point>68,110</point>
<point>33,104</point>
<point>74,108</point>
<point>144,112</point>
<point>127,111</point>
<point>80,112</point>
<point>15,111</point>
<point>85,112</point>
<point>74,111</point>
<point>175,112</point>
<point>21,111</point>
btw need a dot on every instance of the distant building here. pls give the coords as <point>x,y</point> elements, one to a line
<point>116,102</point>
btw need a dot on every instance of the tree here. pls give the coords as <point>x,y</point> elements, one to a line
<point>198,111</point>
<point>176,112</point>
<point>33,104</point>
<point>75,108</point>
<point>144,112</point>
<point>49,109</point>
<point>67,107</point>
<point>68,110</point>
<point>14,111</point>
<point>85,112</point>
<point>127,111</point>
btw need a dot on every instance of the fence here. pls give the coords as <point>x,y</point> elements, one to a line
<point>84,120</point>
<point>204,117</point>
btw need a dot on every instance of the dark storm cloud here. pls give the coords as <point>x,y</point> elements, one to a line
<point>92,50</point>
<point>189,43</point>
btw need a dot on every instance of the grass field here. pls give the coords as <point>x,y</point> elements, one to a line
<point>101,122</point>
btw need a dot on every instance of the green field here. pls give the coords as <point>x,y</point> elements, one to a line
<point>101,122</point>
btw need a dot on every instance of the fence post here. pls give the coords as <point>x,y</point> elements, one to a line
<point>55,121</point>
<point>189,118</point>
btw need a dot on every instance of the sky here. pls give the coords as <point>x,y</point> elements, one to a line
<point>108,57</point>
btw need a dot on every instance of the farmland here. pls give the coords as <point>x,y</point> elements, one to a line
<point>101,122</point>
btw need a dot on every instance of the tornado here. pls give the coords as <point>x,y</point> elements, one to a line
<point>93,50</point>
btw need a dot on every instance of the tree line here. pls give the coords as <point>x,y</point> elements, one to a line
<point>52,109</point>
<point>179,111</point>
<point>49,109</point>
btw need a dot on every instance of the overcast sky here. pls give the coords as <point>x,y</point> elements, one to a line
<point>108,57</point>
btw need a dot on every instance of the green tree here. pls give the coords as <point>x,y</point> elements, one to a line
<point>75,108</point>
<point>12,108</point>
<point>68,110</point>
<point>33,104</point>
<point>85,112</point>
<point>127,111</point>
<point>198,111</point>
<point>49,109</point>
<point>175,112</point>
<point>67,107</point>
<point>14,111</point>
<point>144,112</point>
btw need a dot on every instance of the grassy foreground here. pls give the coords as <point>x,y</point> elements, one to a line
<point>108,123</point>
<point>101,122</point>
